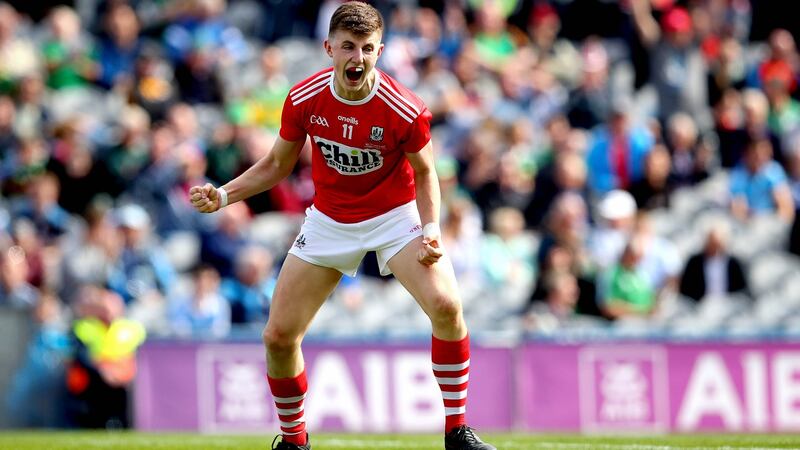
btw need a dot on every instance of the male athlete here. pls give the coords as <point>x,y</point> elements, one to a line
<point>376,190</point>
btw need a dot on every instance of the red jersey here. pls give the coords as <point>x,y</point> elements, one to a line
<point>359,166</point>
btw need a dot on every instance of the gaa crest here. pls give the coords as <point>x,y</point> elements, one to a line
<point>376,134</point>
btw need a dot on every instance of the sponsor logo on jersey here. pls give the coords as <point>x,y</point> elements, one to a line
<point>319,120</point>
<point>376,134</point>
<point>349,160</point>
<point>350,120</point>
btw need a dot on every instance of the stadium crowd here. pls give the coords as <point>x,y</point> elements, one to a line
<point>603,164</point>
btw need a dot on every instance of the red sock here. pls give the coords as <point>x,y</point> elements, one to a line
<point>451,369</point>
<point>289,395</point>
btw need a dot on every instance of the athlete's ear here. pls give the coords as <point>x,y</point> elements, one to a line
<point>328,48</point>
<point>380,49</point>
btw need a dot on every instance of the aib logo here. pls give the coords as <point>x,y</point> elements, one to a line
<point>319,120</point>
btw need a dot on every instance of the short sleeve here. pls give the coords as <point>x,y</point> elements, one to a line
<point>291,123</point>
<point>418,133</point>
<point>776,176</point>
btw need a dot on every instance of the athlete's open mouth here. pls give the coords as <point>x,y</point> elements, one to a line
<point>354,73</point>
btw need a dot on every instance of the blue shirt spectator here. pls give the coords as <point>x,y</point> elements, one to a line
<point>617,153</point>
<point>759,185</point>
<point>119,50</point>
<point>250,291</point>
<point>757,188</point>
<point>204,312</point>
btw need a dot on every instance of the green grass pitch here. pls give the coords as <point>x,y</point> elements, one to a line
<point>29,440</point>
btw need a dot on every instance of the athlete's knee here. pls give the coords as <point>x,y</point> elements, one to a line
<point>445,307</point>
<point>277,340</point>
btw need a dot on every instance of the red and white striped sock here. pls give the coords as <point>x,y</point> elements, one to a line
<point>451,369</point>
<point>289,395</point>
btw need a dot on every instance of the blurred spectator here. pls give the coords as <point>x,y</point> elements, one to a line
<point>513,186</point>
<point>8,137</point>
<point>142,268</point>
<point>567,227</point>
<point>691,158</point>
<point>93,254</point>
<point>69,55</point>
<point>439,88</point>
<point>182,118</point>
<point>225,153</point>
<point>250,290</point>
<point>120,47</point>
<point>15,290</point>
<point>33,116</point>
<point>562,260</point>
<point>615,224</point>
<point>81,179</point>
<point>617,152</point>
<point>42,260</point>
<point>37,393</point>
<point>197,76</point>
<point>125,161</point>
<point>784,113</point>
<point>221,244</point>
<point>793,167</point>
<point>151,188</point>
<point>558,306</point>
<point>22,165</point>
<point>41,207</point>
<point>480,87</point>
<point>781,49</point>
<point>741,118</point>
<point>566,174</point>
<point>461,230</point>
<point>493,41</point>
<point>713,271</point>
<point>153,84</point>
<point>661,263</point>
<point>654,190</point>
<point>727,69</point>
<point>507,252</point>
<point>104,364</point>
<point>758,185</point>
<point>678,68</point>
<point>203,312</point>
<point>201,25</point>
<point>18,55</point>
<point>625,289</point>
<point>557,56</point>
<point>260,96</point>
<point>590,103</point>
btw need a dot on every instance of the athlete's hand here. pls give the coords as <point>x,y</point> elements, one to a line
<point>205,199</point>
<point>430,252</point>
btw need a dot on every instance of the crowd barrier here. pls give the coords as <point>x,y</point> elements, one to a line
<point>641,387</point>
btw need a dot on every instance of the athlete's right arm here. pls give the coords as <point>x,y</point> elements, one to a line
<point>261,176</point>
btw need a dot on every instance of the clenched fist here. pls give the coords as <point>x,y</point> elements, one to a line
<point>205,198</point>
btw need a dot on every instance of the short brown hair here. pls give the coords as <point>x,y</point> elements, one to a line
<point>356,17</point>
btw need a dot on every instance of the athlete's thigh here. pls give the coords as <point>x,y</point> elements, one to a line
<point>301,290</point>
<point>428,284</point>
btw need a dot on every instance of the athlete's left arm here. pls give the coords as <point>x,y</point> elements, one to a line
<point>428,200</point>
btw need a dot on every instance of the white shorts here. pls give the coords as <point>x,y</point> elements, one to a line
<point>325,242</point>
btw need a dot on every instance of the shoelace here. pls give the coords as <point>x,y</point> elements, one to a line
<point>469,435</point>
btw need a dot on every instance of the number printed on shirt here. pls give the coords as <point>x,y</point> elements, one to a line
<point>347,131</point>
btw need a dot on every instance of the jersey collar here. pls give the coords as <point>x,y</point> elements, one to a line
<point>363,100</point>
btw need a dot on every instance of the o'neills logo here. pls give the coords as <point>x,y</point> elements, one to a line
<point>349,160</point>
